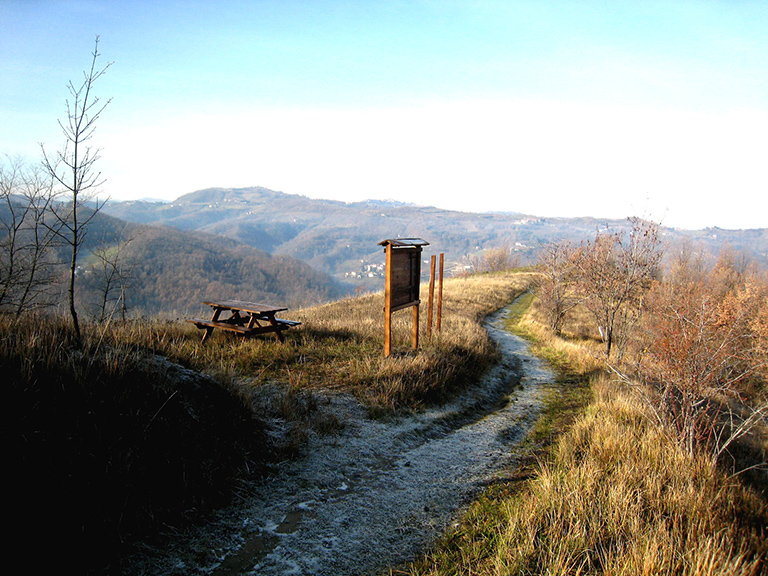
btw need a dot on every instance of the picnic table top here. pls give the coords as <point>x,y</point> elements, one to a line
<point>251,307</point>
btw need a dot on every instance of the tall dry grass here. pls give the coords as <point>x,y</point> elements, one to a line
<point>339,346</point>
<point>107,441</point>
<point>614,495</point>
<point>618,497</point>
<point>104,443</point>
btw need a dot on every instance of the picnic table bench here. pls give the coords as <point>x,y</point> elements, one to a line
<point>245,319</point>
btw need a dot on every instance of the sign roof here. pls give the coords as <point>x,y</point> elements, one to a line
<point>404,242</point>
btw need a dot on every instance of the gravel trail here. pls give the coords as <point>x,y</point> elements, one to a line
<point>376,494</point>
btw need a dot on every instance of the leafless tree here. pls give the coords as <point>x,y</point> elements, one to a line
<point>27,237</point>
<point>467,265</point>
<point>613,272</point>
<point>498,259</point>
<point>555,282</point>
<point>73,167</point>
<point>493,260</point>
<point>704,349</point>
<point>112,272</point>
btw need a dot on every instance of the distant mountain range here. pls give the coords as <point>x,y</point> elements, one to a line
<point>341,239</point>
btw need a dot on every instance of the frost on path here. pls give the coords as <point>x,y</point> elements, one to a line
<point>378,493</point>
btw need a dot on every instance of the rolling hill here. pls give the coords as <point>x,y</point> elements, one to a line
<point>341,239</point>
<point>170,271</point>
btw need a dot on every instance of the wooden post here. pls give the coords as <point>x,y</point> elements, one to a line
<point>388,304</point>
<point>431,295</point>
<point>415,334</point>
<point>440,294</point>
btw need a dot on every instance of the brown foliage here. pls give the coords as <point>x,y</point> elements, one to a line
<point>705,348</point>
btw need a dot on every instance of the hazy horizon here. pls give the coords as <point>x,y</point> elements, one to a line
<point>551,108</point>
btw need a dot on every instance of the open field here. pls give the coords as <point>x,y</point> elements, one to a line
<point>339,346</point>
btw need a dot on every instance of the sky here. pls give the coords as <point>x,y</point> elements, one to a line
<point>551,108</point>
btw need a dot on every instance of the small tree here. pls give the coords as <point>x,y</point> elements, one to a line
<point>26,263</point>
<point>467,265</point>
<point>613,272</point>
<point>498,260</point>
<point>556,293</point>
<point>73,168</point>
<point>111,276</point>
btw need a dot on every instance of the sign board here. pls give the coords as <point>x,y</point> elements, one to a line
<point>403,279</point>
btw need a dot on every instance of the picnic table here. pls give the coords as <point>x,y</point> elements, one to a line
<point>245,319</point>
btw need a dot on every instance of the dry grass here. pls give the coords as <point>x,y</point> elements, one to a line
<point>339,346</point>
<point>579,348</point>
<point>107,443</point>
<point>104,443</point>
<point>619,498</point>
<point>614,495</point>
<point>611,496</point>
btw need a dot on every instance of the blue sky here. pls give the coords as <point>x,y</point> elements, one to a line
<point>553,108</point>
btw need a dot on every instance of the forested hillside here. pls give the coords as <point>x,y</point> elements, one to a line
<point>171,271</point>
<point>138,269</point>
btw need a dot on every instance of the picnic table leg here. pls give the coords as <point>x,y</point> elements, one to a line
<point>209,329</point>
<point>276,326</point>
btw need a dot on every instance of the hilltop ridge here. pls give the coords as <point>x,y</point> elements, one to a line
<point>340,238</point>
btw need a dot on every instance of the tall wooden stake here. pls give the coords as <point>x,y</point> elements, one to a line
<point>415,334</point>
<point>440,294</point>
<point>431,295</point>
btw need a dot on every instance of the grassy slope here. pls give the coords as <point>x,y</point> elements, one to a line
<point>105,443</point>
<point>339,346</point>
<point>612,495</point>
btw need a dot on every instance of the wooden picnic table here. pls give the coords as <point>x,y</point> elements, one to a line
<point>245,319</point>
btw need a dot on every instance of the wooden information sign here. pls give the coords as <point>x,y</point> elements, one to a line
<point>403,279</point>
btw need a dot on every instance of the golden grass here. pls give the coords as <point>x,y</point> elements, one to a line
<point>614,495</point>
<point>108,444</point>
<point>619,498</point>
<point>340,346</point>
<point>579,348</point>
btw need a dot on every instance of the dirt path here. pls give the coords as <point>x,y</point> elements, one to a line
<point>378,493</point>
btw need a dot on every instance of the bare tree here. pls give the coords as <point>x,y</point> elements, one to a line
<point>112,273</point>
<point>73,167</point>
<point>613,272</point>
<point>556,292</point>
<point>467,265</point>
<point>498,260</point>
<point>28,237</point>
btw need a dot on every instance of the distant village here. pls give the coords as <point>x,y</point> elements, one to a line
<point>367,270</point>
